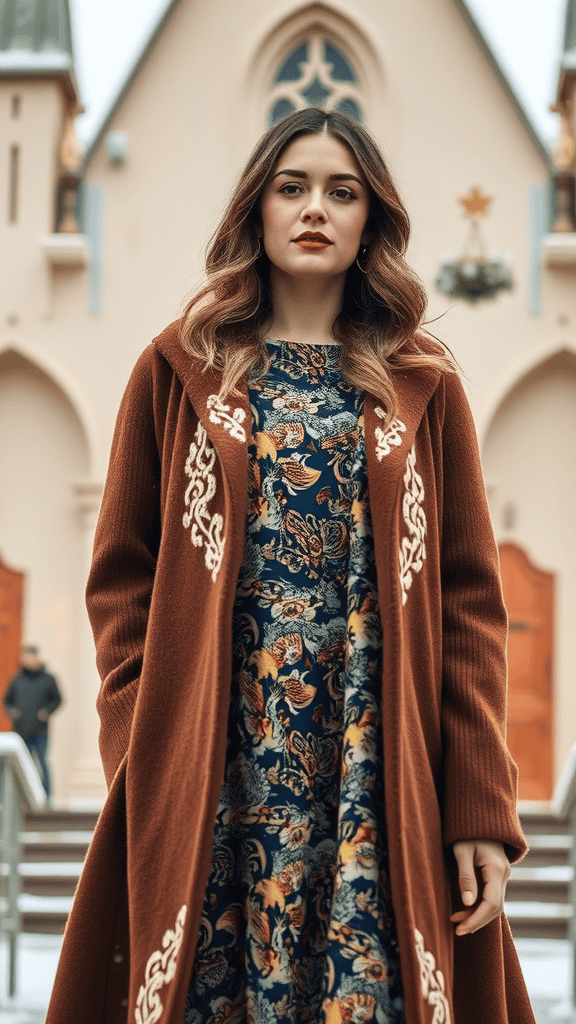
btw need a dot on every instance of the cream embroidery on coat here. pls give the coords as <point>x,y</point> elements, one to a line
<point>160,970</point>
<point>387,438</point>
<point>220,413</point>
<point>432,983</point>
<point>206,529</point>
<point>412,549</point>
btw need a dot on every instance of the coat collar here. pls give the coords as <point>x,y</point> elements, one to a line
<point>231,421</point>
<point>414,389</point>
<point>224,422</point>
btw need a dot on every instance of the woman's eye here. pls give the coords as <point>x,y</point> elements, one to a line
<point>343,193</point>
<point>291,188</point>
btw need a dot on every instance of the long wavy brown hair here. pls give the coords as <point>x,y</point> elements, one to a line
<point>383,304</point>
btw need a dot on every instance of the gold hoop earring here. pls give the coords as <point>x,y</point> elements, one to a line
<point>361,255</point>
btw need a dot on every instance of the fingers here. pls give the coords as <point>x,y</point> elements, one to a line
<point>491,907</point>
<point>495,870</point>
<point>464,854</point>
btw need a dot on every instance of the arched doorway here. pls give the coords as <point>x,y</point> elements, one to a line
<point>531,475</point>
<point>43,452</point>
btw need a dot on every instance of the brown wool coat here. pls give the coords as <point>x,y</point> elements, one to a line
<point>167,554</point>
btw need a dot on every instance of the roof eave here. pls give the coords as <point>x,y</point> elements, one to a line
<point>504,80</point>
<point>468,17</point>
<point>55,64</point>
<point>67,80</point>
<point>132,75</point>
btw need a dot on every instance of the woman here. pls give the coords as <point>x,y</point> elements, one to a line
<point>312,809</point>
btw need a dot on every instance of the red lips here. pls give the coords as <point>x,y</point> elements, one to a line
<point>313,236</point>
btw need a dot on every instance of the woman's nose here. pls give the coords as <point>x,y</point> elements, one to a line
<point>314,208</point>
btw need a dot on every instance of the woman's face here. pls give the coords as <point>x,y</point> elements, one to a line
<point>314,208</point>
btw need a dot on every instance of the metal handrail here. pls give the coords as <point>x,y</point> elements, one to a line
<point>564,799</point>
<point>564,805</point>
<point>20,790</point>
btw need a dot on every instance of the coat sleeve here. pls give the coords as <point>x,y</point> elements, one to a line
<point>480,777</point>
<point>53,697</point>
<point>121,578</point>
<point>9,700</point>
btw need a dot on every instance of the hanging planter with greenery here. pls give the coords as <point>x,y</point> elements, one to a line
<point>473,275</point>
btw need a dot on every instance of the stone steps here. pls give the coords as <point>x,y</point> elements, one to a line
<point>538,896</point>
<point>55,843</point>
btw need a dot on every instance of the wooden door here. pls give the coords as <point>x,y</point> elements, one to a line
<point>11,595</point>
<point>529,597</point>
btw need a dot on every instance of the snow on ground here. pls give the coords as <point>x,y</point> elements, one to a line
<point>37,962</point>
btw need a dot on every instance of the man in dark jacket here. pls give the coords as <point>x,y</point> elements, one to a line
<point>30,699</point>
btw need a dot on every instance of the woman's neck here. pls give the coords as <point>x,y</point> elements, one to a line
<point>304,309</point>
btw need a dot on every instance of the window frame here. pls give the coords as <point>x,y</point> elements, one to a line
<point>316,68</point>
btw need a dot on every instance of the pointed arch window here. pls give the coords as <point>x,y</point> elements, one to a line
<point>316,73</point>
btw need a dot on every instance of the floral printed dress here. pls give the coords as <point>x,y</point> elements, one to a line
<point>297,922</point>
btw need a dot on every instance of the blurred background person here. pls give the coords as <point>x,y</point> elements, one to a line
<point>31,698</point>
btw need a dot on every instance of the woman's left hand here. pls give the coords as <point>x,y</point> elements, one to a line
<point>493,865</point>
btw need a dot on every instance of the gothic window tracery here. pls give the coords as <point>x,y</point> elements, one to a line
<point>316,73</point>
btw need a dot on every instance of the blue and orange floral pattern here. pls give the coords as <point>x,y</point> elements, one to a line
<point>297,923</point>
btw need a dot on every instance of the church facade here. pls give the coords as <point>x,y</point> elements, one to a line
<point>101,249</point>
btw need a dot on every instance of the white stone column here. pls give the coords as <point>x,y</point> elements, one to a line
<point>86,784</point>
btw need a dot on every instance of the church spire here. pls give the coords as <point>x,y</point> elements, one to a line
<point>36,40</point>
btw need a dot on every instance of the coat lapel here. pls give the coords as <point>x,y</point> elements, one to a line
<point>227,423</point>
<point>387,446</point>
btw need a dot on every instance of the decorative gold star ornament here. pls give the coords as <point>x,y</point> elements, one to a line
<point>475,203</point>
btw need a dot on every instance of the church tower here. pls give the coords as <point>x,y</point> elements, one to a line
<point>40,157</point>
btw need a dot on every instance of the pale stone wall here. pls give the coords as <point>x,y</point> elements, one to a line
<point>49,442</point>
<point>36,133</point>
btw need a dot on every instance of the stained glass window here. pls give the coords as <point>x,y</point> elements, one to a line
<point>316,73</point>
<point>280,109</point>
<point>341,69</point>
<point>291,69</point>
<point>315,94</point>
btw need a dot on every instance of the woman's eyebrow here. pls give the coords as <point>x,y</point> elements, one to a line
<point>344,176</point>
